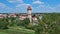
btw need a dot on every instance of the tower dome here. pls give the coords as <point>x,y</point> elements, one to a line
<point>29,8</point>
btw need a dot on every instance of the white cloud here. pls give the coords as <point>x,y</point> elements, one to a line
<point>5,9</point>
<point>15,1</point>
<point>44,9</point>
<point>38,2</point>
<point>22,7</point>
<point>2,5</point>
<point>57,8</point>
<point>41,7</point>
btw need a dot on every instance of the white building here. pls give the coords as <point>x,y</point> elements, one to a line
<point>29,13</point>
<point>12,15</point>
<point>3,15</point>
<point>22,17</point>
<point>35,20</point>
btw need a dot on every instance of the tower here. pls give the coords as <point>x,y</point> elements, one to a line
<point>29,13</point>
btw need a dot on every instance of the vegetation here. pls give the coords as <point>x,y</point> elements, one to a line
<point>49,24</point>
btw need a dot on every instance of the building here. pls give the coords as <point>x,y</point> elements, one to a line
<point>35,20</point>
<point>29,13</point>
<point>12,15</point>
<point>22,17</point>
<point>3,15</point>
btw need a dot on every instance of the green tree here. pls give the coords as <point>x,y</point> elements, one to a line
<point>26,22</point>
<point>4,23</point>
<point>47,25</point>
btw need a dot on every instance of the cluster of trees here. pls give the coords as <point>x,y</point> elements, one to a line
<point>11,21</point>
<point>48,25</point>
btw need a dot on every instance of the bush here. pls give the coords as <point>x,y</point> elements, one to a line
<point>30,26</point>
<point>4,23</point>
<point>26,22</point>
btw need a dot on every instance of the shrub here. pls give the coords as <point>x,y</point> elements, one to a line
<point>26,22</point>
<point>4,23</point>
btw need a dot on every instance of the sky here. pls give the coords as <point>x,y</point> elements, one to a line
<point>38,6</point>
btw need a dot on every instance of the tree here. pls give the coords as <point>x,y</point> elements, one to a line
<point>26,22</point>
<point>4,23</point>
<point>47,25</point>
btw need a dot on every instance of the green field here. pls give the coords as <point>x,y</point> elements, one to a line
<point>16,30</point>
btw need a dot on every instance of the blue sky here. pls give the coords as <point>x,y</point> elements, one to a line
<point>38,6</point>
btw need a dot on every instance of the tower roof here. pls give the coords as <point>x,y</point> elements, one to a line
<point>29,8</point>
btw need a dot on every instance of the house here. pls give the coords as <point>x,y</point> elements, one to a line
<point>3,15</point>
<point>12,15</point>
<point>35,20</point>
<point>22,17</point>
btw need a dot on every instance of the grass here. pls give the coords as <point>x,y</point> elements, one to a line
<point>57,30</point>
<point>3,33</point>
<point>16,30</point>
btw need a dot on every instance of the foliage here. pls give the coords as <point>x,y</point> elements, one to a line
<point>47,25</point>
<point>4,23</point>
<point>30,26</point>
<point>50,24</point>
<point>26,22</point>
